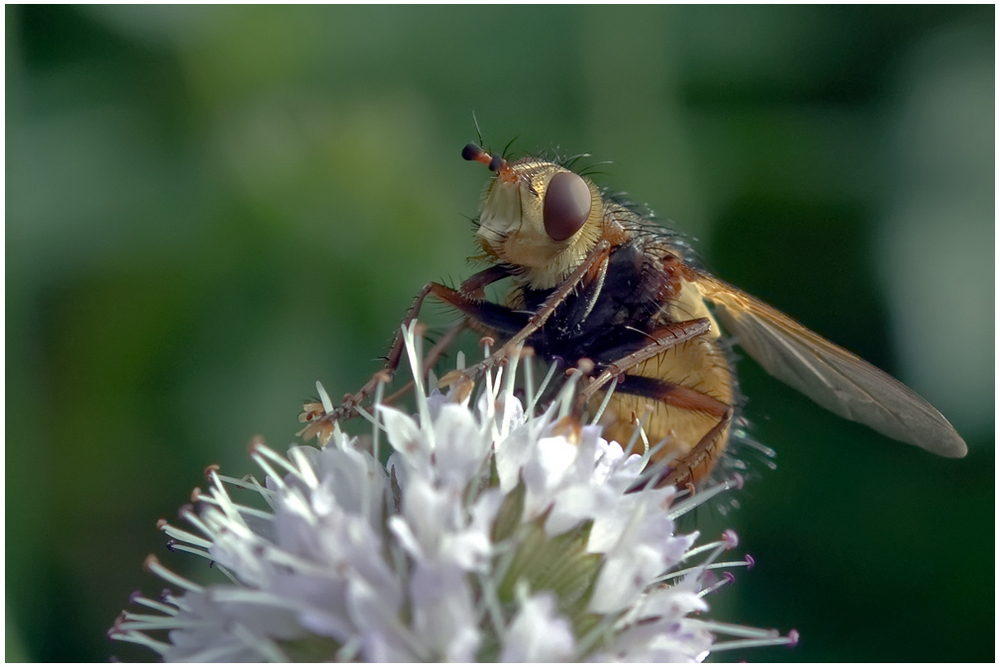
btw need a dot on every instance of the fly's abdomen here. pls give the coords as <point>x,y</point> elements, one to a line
<point>699,365</point>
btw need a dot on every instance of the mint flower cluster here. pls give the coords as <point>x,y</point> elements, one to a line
<point>495,532</point>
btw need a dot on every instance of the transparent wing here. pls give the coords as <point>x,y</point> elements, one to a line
<point>836,379</point>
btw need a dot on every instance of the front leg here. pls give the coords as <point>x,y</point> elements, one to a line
<point>594,267</point>
<point>465,300</point>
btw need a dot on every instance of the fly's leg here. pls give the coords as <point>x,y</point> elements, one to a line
<point>470,302</point>
<point>700,460</point>
<point>320,423</point>
<point>433,355</point>
<point>593,268</point>
<point>663,338</point>
<point>695,465</point>
<point>473,286</point>
<point>351,401</point>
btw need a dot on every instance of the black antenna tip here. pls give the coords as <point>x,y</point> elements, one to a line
<point>472,152</point>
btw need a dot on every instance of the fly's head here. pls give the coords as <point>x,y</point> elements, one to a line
<point>537,216</point>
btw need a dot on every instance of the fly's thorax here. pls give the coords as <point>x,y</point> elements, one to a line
<point>688,303</point>
<point>519,227</point>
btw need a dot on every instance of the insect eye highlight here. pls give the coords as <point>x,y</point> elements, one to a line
<point>567,205</point>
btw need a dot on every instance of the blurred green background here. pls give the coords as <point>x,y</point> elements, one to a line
<point>210,208</point>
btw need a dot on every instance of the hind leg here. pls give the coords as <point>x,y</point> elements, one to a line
<point>699,461</point>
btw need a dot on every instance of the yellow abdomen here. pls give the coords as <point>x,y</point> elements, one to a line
<point>699,364</point>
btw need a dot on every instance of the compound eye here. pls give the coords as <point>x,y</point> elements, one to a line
<point>567,205</point>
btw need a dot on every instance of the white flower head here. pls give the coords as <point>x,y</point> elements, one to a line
<point>493,533</point>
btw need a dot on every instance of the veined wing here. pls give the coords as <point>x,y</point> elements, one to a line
<point>836,379</point>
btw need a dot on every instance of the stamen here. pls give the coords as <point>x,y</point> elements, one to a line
<point>260,598</point>
<point>746,440</point>
<point>228,573</point>
<point>304,467</point>
<point>651,475</point>
<point>506,551</point>
<point>601,633</point>
<point>567,394</point>
<point>324,398</point>
<point>370,417</point>
<point>727,579</point>
<point>650,453</point>
<point>718,547</point>
<point>687,505</point>
<point>642,435</point>
<point>629,448</point>
<point>267,452</point>
<point>181,535</point>
<point>493,386</point>
<point>250,483</point>
<point>607,399</point>
<point>188,515</point>
<point>263,646</point>
<point>398,561</point>
<point>248,511</point>
<point>271,473</point>
<point>139,599</point>
<point>214,654</point>
<point>157,646</point>
<point>515,358</point>
<point>376,429</point>
<point>175,546</point>
<point>739,630</point>
<point>282,558</point>
<point>791,640</point>
<point>156,623</point>
<point>541,388</point>
<point>414,353</point>
<point>350,650</point>
<point>529,384</point>
<point>226,505</point>
<point>153,565</point>
<point>727,541</point>
<point>178,602</point>
<point>748,563</point>
<point>490,603</point>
